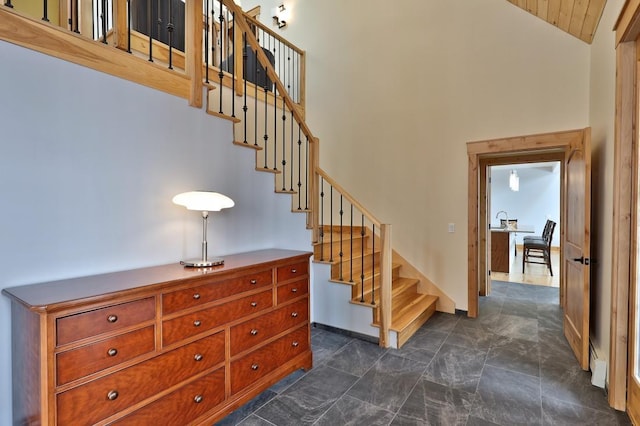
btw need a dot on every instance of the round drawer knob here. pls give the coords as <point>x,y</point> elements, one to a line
<point>253,282</point>
<point>198,357</point>
<point>254,304</point>
<point>197,323</point>
<point>112,395</point>
<point>294,290</point>
<point>294,314</point>
<point>294,270</point>
<point>112,352</point>
<point>198,399</point>
<point>196,296</point>
<point>295,344</point>
<point>112,318</point>
<point>254,367</point>
<point>254,332</point>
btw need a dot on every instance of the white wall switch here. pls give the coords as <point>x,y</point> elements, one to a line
<point>452,227</point>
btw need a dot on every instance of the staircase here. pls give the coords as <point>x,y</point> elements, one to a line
<point>349,240</point>
<point>410,309</point>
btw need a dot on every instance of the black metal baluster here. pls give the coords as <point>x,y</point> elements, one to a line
<point>321,219</point>
<point>275,120</point>
<point>244,78</point>
<point>221,74</point>
<point>362,263</point>
<point>213,34</point>
<point>284,146</point>
<point>289,73</point>
<point>351,247</point>
<point>331,224</point>
<point>45,11</point>
<point>8,4</point>
<point>373,264</point>
<point>76,17</point>
<point>128,26</point>
<point>170,31</point>
<point>255,100</point>
<point>299,168</point>
<point>150,27</point>
<point>291,154</point>
<point>341,254</point>
<point>73,22</point>
<point>105,17</point>
<point>206,41</point>
<point>266,132</point>
<point>306,192</point>
<point>159,21</point>
<point>233,66</point>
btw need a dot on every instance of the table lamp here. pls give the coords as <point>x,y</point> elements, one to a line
<point>204,201</point>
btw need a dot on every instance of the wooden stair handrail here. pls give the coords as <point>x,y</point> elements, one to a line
<point>349,197</point>
<point>271,72</point>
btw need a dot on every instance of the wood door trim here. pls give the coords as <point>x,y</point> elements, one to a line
<point>625,170</point>
<point>529,148</point>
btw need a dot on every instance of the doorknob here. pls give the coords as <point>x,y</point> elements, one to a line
<point>583,260</point>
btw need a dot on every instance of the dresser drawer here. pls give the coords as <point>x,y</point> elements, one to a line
<point>187,298</point>
<point>257,330</point>
<point>111,318</point>
<point>77,363</point>
<point>293,271</point>
<point>257,364</point>
<point>195,323</point>
<point>292,290</point>
<point>96,400</point>
<point>182,406</point>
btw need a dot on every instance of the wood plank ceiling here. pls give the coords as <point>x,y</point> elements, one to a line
<point>577,17</point>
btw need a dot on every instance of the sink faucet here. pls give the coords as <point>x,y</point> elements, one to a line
<point>506,218</point>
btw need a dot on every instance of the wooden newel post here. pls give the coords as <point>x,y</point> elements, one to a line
<point>385,285</point>
<point>194,29</point>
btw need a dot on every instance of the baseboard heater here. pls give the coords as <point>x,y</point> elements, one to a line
<point>598,368</point>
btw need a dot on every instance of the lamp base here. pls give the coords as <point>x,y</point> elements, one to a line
<point>199,263</point>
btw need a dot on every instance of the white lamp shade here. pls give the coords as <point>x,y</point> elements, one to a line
<point>203,201</point>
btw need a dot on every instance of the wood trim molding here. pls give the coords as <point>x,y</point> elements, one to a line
<point>60,43</point>
<point>529,148</point>
<point>622,248</point>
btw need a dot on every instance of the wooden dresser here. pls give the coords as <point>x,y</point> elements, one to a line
<point>164,345</point>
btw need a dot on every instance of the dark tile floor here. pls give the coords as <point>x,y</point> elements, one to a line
<point>511,366</point>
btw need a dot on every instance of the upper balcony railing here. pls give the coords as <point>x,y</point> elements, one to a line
<point>158,30</point>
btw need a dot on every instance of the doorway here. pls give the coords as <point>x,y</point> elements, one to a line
<point>525,196</point>
<point>572,148</point>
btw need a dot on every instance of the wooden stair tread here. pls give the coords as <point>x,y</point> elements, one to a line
<point>367,276</point>
<point>268,170</point>
<point>421,304</point>
<point>399,287</point>
<point>248,145</point>
<point>285,191</point>
<point>224,116</point>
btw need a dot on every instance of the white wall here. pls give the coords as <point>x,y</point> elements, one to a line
<point>394,92</point>
<point>601,118</point>
<point>88,166</point>
<point>537,200</point>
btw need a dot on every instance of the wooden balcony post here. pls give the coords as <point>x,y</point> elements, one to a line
<point>120,24</point>
<point>385,284</point>
<point>193,50</point>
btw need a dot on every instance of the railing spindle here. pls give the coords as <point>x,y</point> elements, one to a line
<point>45,12</point>
<point>128,26</point>
<point>306,192</point>
<point>149,24</point>
<point>362,263</point>
<point>321,219</point>
<point>8,4</point>
<point>232,65</point>
<point>299,168</point>
<point>275,130</point>
<point>221,74</point>
<point>170,31</point>
<point>244,78</point>
<point>266,132</point>
<point>351,246</point>
<point>291,153</point>
<point>341,254</point>
<point>206,41</point>
<point>284,145</point>
<point>158,21</point>
<point>373,264</point>
<point>74,6</point>
<point>255,100</point>
<point>331,224</point>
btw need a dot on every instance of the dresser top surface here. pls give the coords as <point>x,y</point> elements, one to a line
<point>46,295</point>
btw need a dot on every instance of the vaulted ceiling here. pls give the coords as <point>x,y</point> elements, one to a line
<point>577,17</point>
